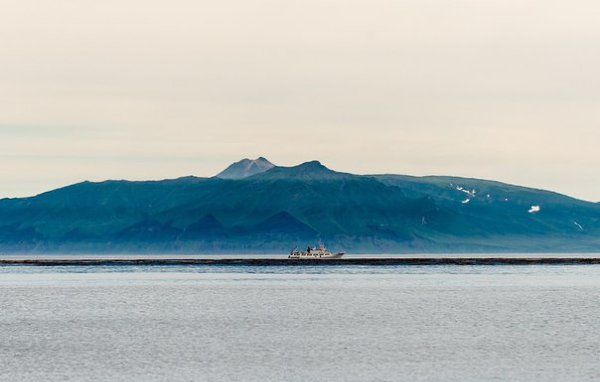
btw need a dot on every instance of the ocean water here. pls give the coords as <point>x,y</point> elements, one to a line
<point>313,323</point>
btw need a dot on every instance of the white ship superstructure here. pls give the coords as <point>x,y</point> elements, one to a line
<point>319,252</point>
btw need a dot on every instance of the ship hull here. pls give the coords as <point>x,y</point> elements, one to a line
<point>316,257</point>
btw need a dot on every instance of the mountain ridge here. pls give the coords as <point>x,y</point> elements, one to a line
<point>307,170</point>
<point>272,209</point>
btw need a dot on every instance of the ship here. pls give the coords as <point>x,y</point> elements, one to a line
<point>319,252</point>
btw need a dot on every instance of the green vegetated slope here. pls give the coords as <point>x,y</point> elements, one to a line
<point>281,207</point>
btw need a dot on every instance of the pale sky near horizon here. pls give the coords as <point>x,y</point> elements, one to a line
<point>499,89</point>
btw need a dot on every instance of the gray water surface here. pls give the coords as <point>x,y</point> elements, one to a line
<point>314,323</point>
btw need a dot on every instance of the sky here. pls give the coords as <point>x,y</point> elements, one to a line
<point>128,89</point>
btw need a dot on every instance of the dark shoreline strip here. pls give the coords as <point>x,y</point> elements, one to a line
<point>287,262</point>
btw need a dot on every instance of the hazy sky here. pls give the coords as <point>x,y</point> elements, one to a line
<point>498,89</point>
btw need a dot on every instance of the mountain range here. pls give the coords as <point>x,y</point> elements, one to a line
<point>255,206</point>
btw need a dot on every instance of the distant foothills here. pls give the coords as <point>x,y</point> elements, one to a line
<point>254,206</point>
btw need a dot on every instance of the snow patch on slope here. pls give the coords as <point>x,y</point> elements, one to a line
<point>470,193</point>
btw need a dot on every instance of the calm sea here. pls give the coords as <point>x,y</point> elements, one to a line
<point>314,323</point>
